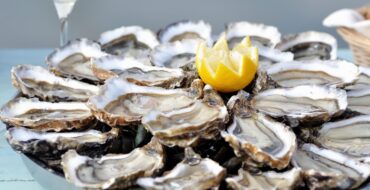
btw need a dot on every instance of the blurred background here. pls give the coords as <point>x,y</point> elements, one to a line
<point>34,23</point>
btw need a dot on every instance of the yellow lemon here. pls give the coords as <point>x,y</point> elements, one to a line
<point>225,70</point>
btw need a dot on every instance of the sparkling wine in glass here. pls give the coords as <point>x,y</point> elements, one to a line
<point>64,8</point>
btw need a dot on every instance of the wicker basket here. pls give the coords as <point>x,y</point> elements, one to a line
<point>358,43</point>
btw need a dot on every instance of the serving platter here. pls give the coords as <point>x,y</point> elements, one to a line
<point>181,120</point>
<point>45,176</point>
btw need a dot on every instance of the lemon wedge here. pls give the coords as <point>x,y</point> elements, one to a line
<point>224,69</point>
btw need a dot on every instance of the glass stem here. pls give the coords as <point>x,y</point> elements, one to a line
<point>63,31</point>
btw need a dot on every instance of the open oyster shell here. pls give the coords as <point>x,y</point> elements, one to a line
<point>269,180</point>
<point>73,60</point>
<point>258,136</point>
<point>133,70</point>
<point>133,41</point>
<point>122,103</point>
<point>306,104</point>
<point>53,144</point>
<point>178,54</point>
<point>193,172</point>
<point>260,34</point>
<point>37,81</point>
<point>326,169</point>
<point>113,171</point>
<point>363,79</point>
<point>310,45</point>
<point>359,100</point>
<point>349,136</point>
<point>185,126</point>
<point>314,72</point>
<point>46,116</point>
<point>186,30</point>
<point>265,37</point>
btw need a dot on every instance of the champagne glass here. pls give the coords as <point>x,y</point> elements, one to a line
<point>64,8</point>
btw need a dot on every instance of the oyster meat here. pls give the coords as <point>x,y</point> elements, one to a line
<point>261,35</point>
<point>46,116</point>
<point>258,136</point>
<point>269,180</point>
<point>185,126</point>
<point>37,81</point>
<point>193,172</point>
<point>310,45</point>
<point>363,79</point>
<point>327,169</point>
<point>74,59</point>
<point>314,72</point>
<point>349,136</point>
<point>359,100</point>
<point>307,104</point>
<point>53,144</point>
<point>133,70</point>
<point>178,54</point>
<point>186,30</point>
<point>133,41</point>
<point>113,171</point>
<point>122,103</point>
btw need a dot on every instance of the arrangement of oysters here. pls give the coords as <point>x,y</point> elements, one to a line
<point>130,111</point>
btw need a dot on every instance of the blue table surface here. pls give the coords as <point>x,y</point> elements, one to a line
<point>13,173</point>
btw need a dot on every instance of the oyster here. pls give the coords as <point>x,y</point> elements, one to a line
<point>261,35</point>
<point>314,72</point>
<point>258,136</point>
<point>270,180</point>
<point>135,71</point>
<point>186,30</point>
<point>359,100</point>
<point>307,104</point>
<point>326,169</point>
<point>363,79</point>
<point>270,56</point>
<point>37,81</point>
<point>310,45</point>
<point>348,136</point>
<point>124,103</point>
<point>185,126</point>
<point>46,116</point>
<point>74,59</point>
<point>193,172</point>
<point>52,144</point>
<point>178,54</point>
<point>113,170</point>
<point>133,41</point>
